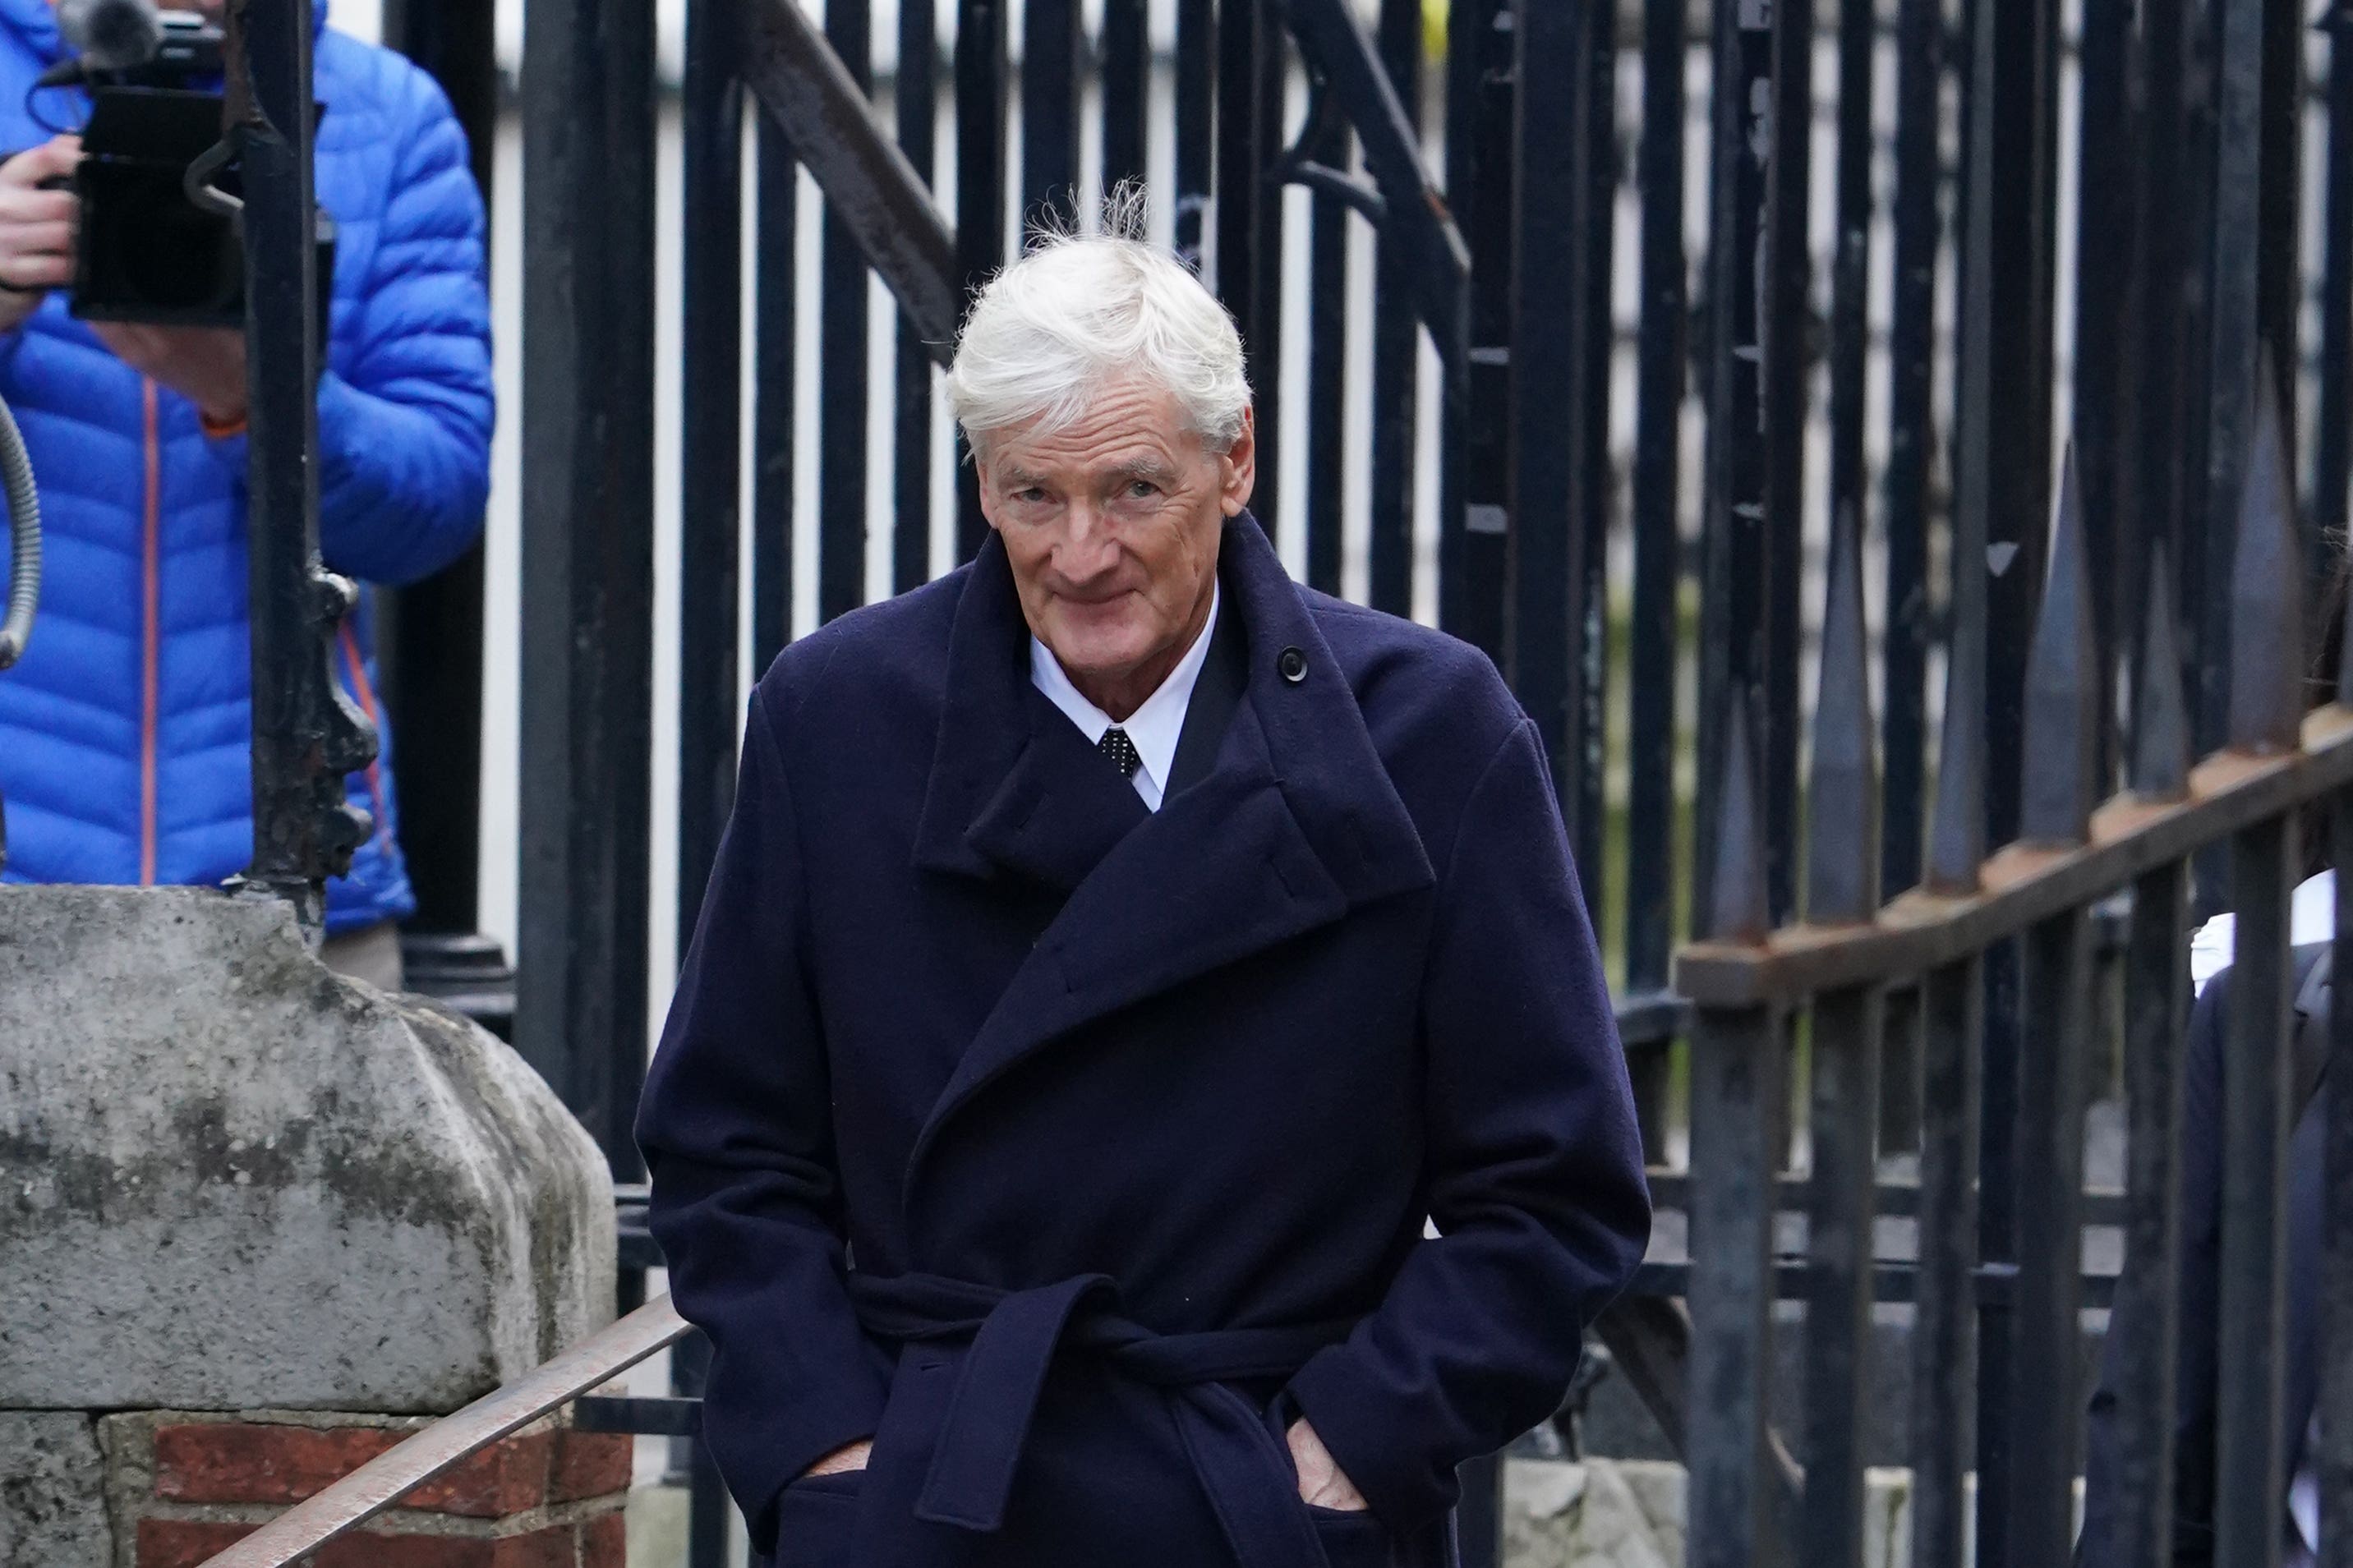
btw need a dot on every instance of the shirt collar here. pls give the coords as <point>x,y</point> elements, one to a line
<point>1153,728</point>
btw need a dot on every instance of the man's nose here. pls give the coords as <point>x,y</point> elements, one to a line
<point>1089,548</point>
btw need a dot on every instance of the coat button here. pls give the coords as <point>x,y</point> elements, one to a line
<point>1293,665</point>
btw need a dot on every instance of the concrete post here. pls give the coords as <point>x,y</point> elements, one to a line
<point>257,1220</point>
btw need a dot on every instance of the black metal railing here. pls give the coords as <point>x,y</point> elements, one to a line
<point>1764,1494</point>
<point>2190,265</point>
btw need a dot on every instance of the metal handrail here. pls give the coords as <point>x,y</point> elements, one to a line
<point>384,1481</point>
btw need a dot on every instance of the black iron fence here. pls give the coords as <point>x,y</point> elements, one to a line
<point>1577,313</point>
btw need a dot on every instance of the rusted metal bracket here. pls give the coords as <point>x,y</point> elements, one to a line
<point>307,736</point>
<point>866,181</point>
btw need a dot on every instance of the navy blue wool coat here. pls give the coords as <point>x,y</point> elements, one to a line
<point>1070,1151</point>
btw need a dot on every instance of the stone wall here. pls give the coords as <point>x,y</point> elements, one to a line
<point>259,1221</point>
<point>1628,1513</point>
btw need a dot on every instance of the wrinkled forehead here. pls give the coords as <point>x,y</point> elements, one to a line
<point>1129,426</point>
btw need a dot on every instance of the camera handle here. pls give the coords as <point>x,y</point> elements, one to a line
<point>24,533</point>
<point>197,184</point>
<point>24,557</point>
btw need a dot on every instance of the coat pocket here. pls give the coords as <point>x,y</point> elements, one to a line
<point>817,1520</point>
<point>1352,1538</point>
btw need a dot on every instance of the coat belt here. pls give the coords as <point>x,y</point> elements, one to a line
<point>1010,1338</point>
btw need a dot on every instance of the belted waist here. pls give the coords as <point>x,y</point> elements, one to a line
<point>1009,1339</point>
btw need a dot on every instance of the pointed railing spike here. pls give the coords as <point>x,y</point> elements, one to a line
<point>2061,744</point>
<point>2267,631</point>
<point>1737,894</point>
<point>2161,745</point>
<point>1957,842</point>
<point>1842,790</point>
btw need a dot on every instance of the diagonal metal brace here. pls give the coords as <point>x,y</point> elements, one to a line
<point>866,181</point>
<point>1336,47</point>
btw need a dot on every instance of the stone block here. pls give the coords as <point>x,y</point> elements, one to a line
<point>52,1492</point>
<point>230,1180</point>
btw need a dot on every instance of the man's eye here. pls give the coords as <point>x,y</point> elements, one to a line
<point>1029,495</point>
<point>1142,489</point>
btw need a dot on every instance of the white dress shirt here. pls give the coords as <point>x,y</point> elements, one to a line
<point>1151,729</point>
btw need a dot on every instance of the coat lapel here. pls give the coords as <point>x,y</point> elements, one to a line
<point>1296,824</point>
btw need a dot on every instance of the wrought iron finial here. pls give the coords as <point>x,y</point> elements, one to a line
<point>2267,655</point>
<point>2160,741</point>
<point>1957,842</point>
<point>2061,745</point>
<point>1737,903</point>
<point>1843,792</point>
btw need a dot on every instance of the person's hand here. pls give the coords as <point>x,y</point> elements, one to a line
<point>203,365</point>
<point>849,1457</point>
<point>37,226</point>
<point>1321,1480</point>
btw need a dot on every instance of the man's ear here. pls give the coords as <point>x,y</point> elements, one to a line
<point>1238,469</point>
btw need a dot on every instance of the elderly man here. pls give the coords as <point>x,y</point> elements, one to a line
<point>1116,955</point>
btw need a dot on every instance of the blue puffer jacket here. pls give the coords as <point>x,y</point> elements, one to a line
<point>124,732</point>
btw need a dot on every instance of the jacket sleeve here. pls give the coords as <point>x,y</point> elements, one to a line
<point>1536,1181</point>
<point>736,1126</point>
<point>2198,1303</point>
<point>405,416</point>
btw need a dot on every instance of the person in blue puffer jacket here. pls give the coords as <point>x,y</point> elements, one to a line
<point>124,732</point>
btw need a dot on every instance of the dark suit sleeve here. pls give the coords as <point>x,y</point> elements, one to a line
<point>1535,1169</point>
<point>737,1128</point>
<point>2198,1305</point>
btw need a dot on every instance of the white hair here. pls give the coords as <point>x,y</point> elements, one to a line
<point>1079,311</point>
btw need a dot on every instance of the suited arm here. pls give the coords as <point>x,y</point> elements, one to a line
<point>2198,1305</point>
<point>1535,1169</point>
<point>736,1126</point>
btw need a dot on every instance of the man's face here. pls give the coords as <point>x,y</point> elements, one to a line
<point>1111,526</point>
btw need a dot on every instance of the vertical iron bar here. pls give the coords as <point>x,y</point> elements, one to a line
<point>1952,1005</point>
<point>2047,1398</point>
<point>1542,359</point>
<point>1050,114</point>
<point>841,361</point>
<point>2279,271</point>
<point>1846,1063</point>
<point>1245,37</point>
<point>2332,467</point>
<point>1126,78</point>
<point>711,413</point>
<point>1911,438</point>
<point>1784,310</point>
<point>917,91</point>
<point>587,550</point>
<point>2332,426</point>
<point>2250,1479</point>
<point>1590,477</point>
<point>1395,342</point>
<point>775,339</point>
<point>1737,1090</point>
<point>1197,38</point>
<point>980,195</point>
<point>1472,545</point>
<point>1734,613</point>
<point>1850,259</point>
<point>1651,806</point>
<point>1327,349</point>
<point>1262,329</point>
<point>306,733</point>
<point>2236,262</point>
<point>2333,1461</point>
<point>2107,279</point>
<point>2156,984</point>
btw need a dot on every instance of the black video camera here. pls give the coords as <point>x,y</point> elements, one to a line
<point>150,250</point>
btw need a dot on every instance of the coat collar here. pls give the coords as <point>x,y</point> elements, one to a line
<point>1296,825</point>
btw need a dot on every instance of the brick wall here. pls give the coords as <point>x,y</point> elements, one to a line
<point>184,1486</point>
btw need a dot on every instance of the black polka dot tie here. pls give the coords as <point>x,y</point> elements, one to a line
<point>1121,752</point>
